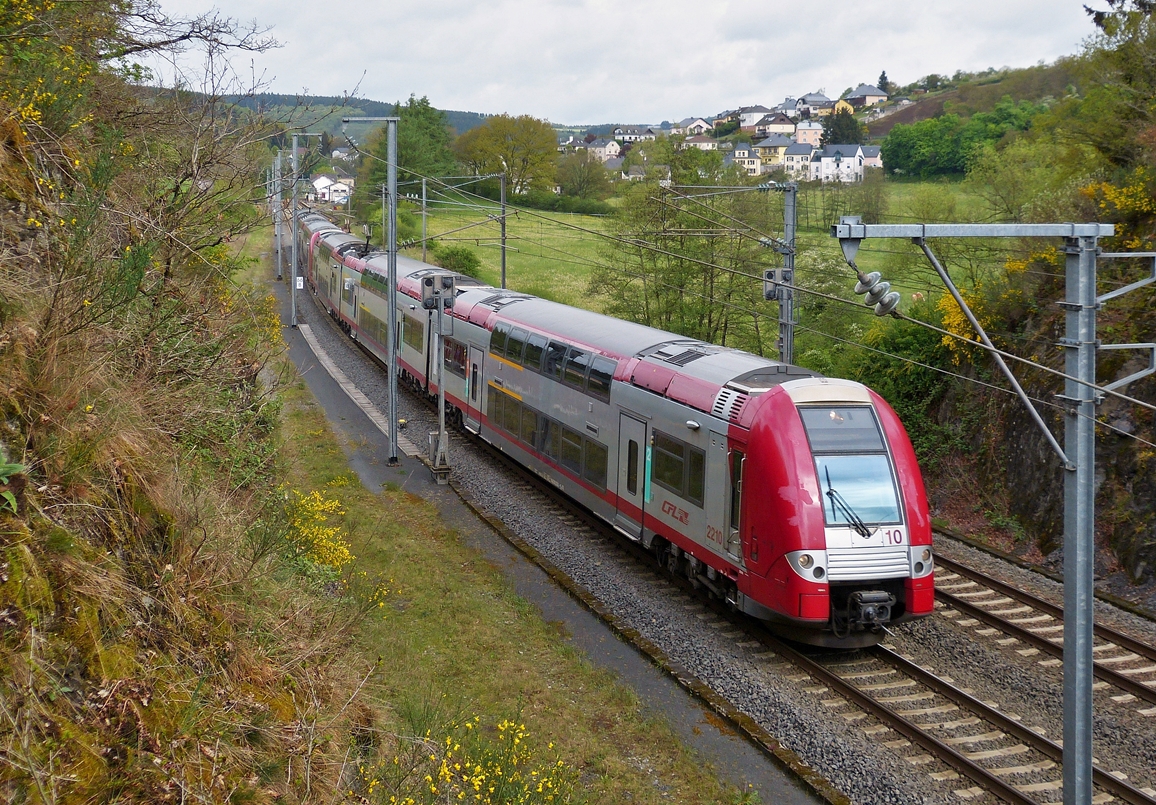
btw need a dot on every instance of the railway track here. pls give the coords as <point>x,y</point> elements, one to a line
<point>970,598</point>
<point>968,749</point>
<point>979,753</point>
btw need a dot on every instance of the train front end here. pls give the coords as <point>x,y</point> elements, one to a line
<point>837,529</point>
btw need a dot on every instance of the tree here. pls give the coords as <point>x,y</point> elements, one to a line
<point>581,174</point>
<point>842,128</point>
<point>685,267</point>
<point>523,147</point>
<point>423,145</point>
<point>885,83</point>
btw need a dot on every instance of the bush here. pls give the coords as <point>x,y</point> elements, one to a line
<point>460,259</point>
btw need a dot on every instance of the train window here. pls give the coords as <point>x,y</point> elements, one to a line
<point>512,416</point>
<point>842,429</point>
<point>552,439</point>
<point>529,432</point>
<point>632,467</point>
<point>679,468</point>
<point>862,484</point>
<point>577,362</point>
<point>601,373</point>
<point>495,406</point>
<point>572,451</point>
<point>695,475</point>
<point>414,333</point>
<point>515,342</point>
<point>535,346</point>
<point>474,382</point>
<point>498,338</point>
<point>455,357</point>
<point>552,364</point>
<point>736,488</point>
<point>594,467</point>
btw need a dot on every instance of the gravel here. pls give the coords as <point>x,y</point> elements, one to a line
<point>774,694</point>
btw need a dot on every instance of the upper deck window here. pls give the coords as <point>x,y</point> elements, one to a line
<point>842,429</point>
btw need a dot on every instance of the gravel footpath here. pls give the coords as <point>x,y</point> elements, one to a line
<point>779,697</point>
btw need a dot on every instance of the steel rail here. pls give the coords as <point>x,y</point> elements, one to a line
<point>1051,647</point>
<point>968,768</point>
<point>1038,742</point>
<point>1057,612</point>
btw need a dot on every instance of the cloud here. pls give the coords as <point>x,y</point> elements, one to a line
<point>587,61</point>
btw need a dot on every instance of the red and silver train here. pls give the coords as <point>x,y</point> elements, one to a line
<point>794,497</point>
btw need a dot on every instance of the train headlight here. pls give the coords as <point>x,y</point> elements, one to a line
<point>806,561</point>
<point>926,555</point>
<point>819,572</point>
<point>918,568</point>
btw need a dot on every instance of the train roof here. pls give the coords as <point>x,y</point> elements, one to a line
<point>711,378</point>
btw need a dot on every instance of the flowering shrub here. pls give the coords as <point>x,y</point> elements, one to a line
<point>313,534</point>
<point>471,764</point>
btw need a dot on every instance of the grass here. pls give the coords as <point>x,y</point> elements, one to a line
<point>547,253</point>
<point>451,640</point>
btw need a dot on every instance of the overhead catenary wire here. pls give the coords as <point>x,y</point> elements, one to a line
<point>639,243</point>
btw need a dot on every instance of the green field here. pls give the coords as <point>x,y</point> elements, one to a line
<point>552,254</point>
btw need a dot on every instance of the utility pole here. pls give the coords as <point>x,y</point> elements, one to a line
<point>1080,398</point>
<point>389,225</point>
<point>778,284</point>
<point>437,293</point>
<point>423,219</point>
<point>278,213</point>
<point>503,226</point>
<point>294,278</point>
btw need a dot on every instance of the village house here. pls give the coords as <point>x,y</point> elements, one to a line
<point>771,151</point>
<point>812,104</point>
<point>838,163</point>
<point>691,126</point>
<point>746,158</point>
<point>866,95</point>
<point>633,134</point>
<point>872,156</point>
<point>774,123</point>
<point>809,131</point>
<point>797,160</point>
<point>602,148</point>
<point>750,115</point>
<point>701,142</point>
<point>841,105</point>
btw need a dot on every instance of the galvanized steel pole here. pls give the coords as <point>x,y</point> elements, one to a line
<point>1080,396</point>
<point>391,252</point>
<point>423,219</point>
<point>293,235</point>
<point>503,229</point>
<point>279,214</point>
<point>293,229</point>
<point>787,299</point>
<point>1079,519</point>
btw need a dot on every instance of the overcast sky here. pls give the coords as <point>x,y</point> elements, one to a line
<point>636,61</point>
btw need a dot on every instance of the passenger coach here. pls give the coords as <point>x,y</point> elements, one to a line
<point>794,497</point>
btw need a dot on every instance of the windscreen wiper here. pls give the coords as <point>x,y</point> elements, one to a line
<point>838,502</point>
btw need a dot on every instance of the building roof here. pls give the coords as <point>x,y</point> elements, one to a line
<point>613,164</point>
<point>809,124</point>
<point>775,119</point>
<point>815,97</point>
<point>870,150</point>
<point>701,138</point>
<point>749,109</point>
<point>863,90</point>
<point>846,150</point>
<point>799,148</point>
<point>776,140</point>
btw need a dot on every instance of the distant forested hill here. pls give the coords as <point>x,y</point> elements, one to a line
<point>326,111</point>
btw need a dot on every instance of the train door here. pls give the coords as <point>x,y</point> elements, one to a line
<point>735,461</point>
<point>473,416</point>
<point>716,504</point>
<point>631,475</point>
